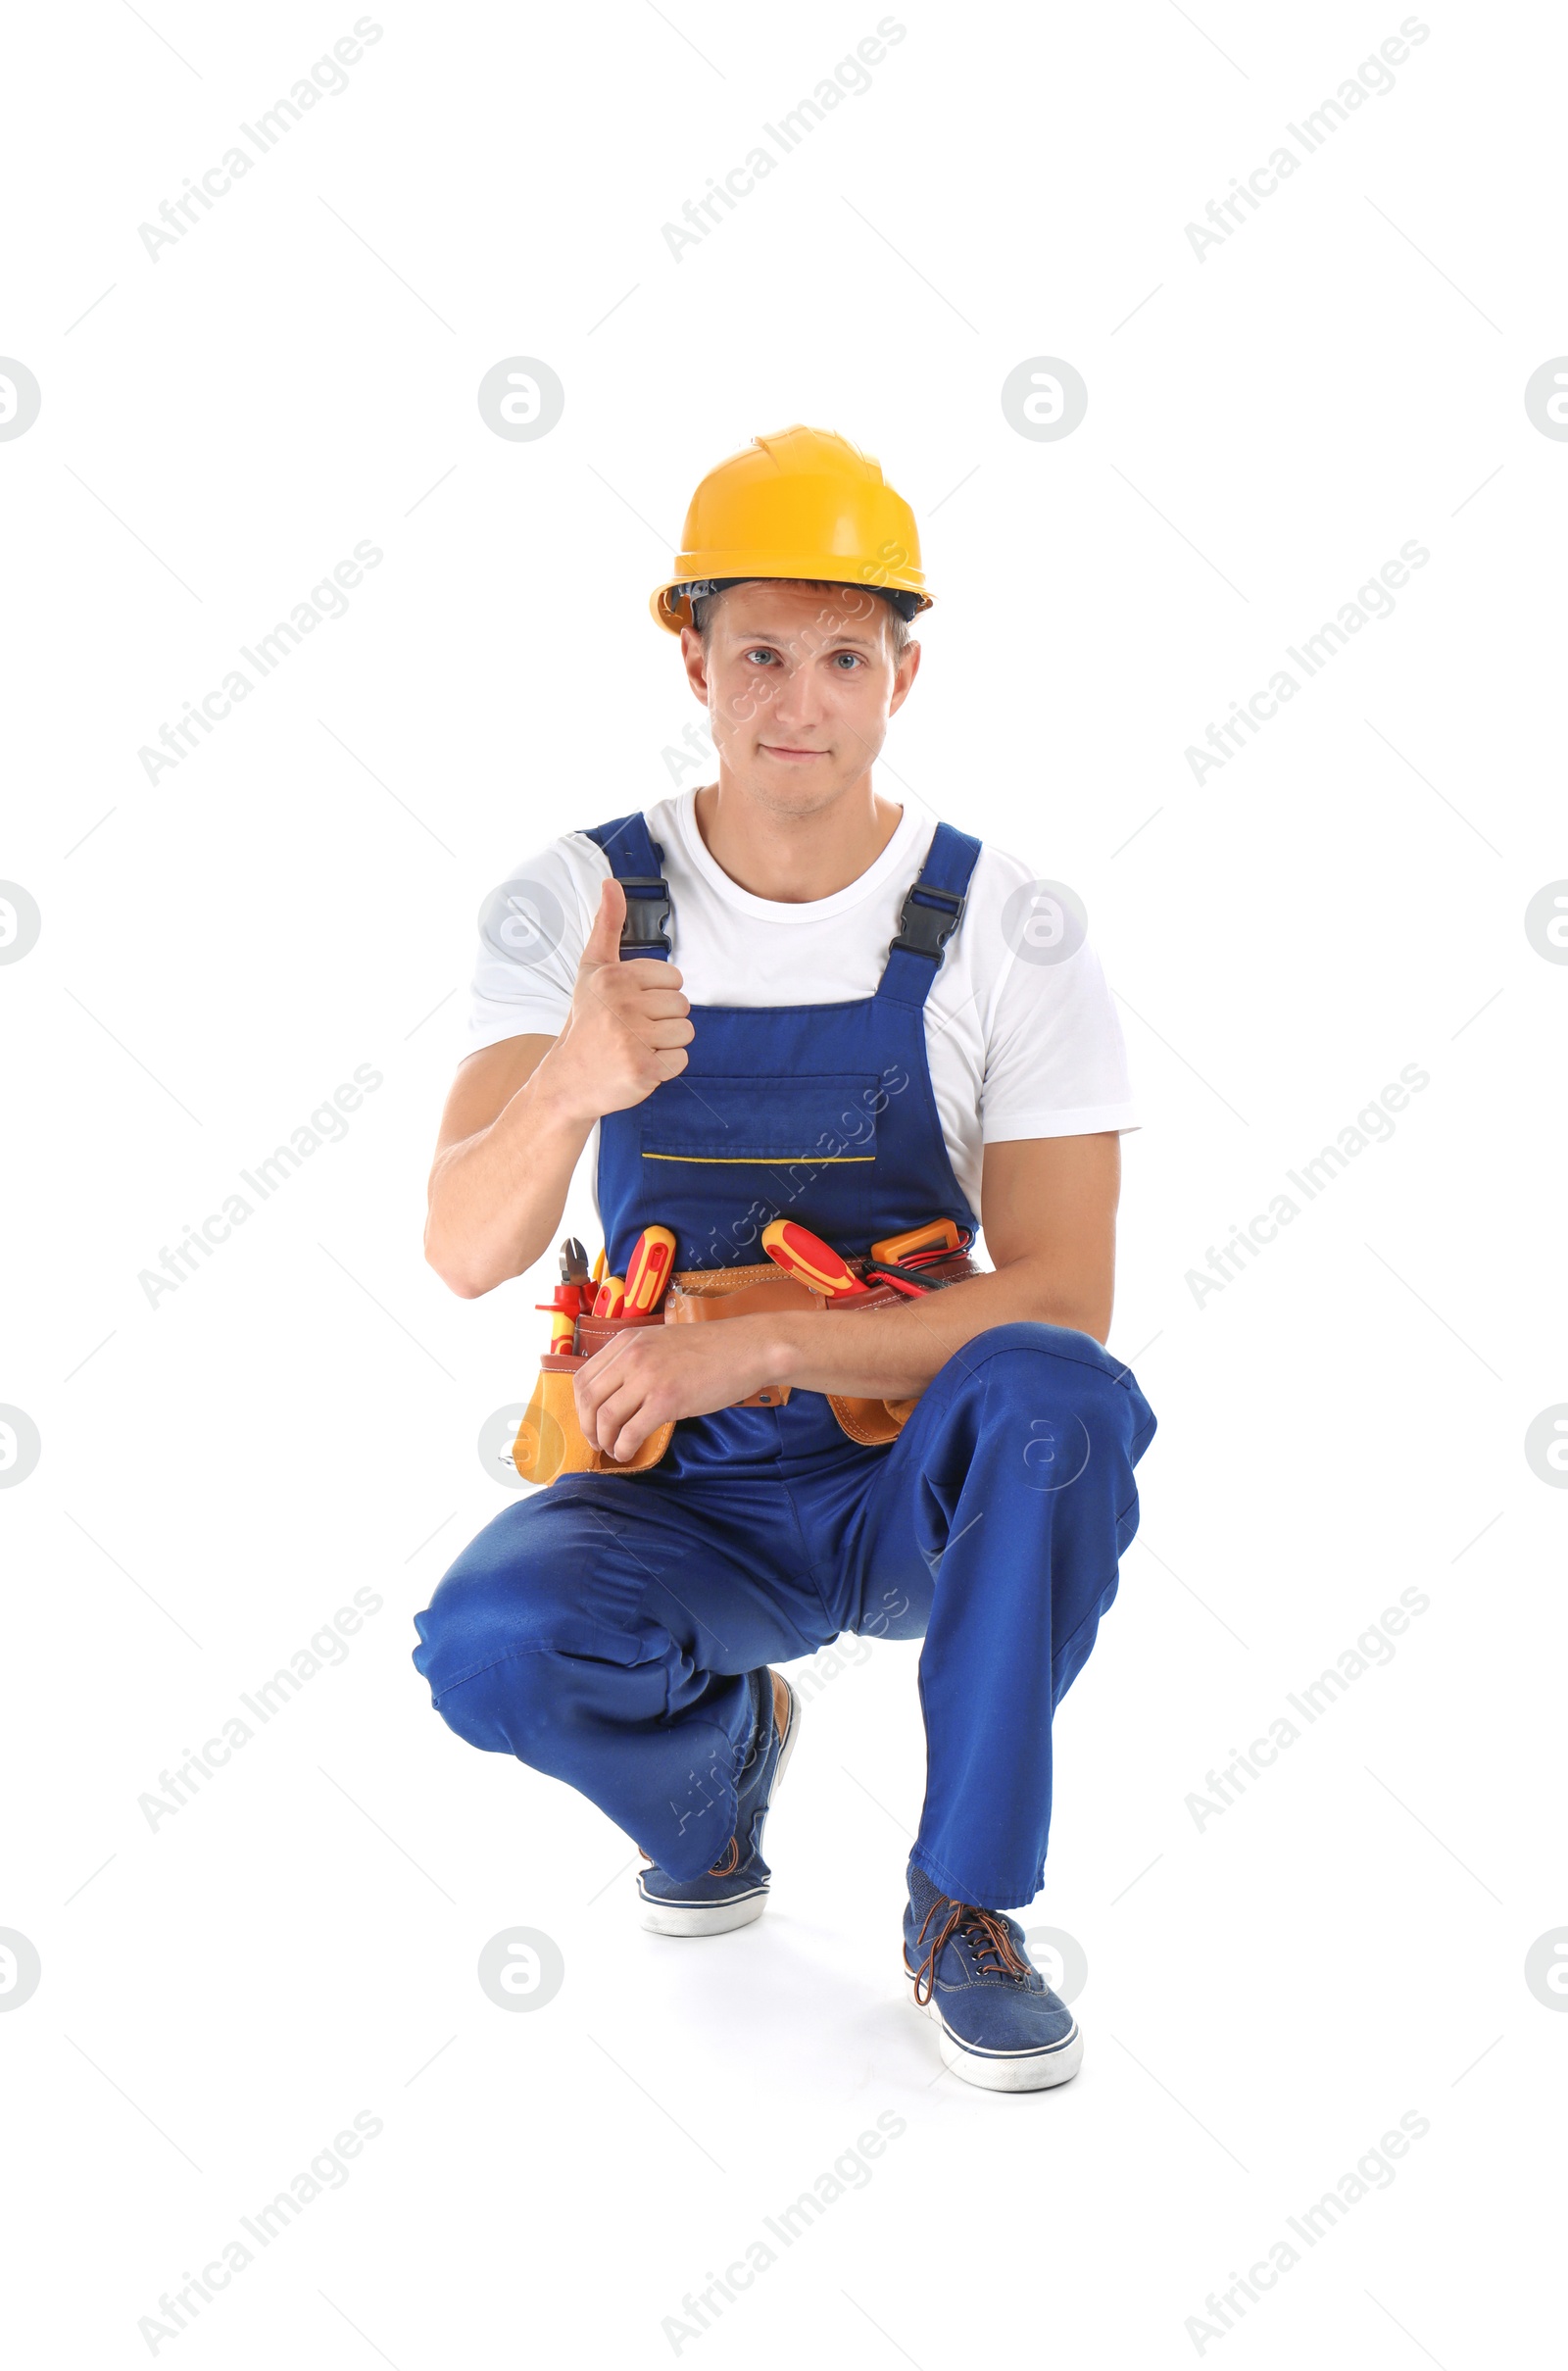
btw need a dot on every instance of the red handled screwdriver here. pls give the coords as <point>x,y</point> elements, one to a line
<point>810,1261</point>
<point>563,1308</point>
<point>648,1269</point>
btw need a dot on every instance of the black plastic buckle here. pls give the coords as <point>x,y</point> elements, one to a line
<point>922,928</point>
<point>646,916</point>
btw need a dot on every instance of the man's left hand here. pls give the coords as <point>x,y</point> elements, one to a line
<point>643,1378</point>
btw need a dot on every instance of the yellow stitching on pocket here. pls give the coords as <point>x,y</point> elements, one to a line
<point>765,1160</point>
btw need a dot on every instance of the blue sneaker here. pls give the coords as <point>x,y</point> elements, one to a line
<point>999,2023</point>
<point>734,1891</point>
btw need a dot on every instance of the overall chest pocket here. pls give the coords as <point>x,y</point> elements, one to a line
<point>749,1150</point>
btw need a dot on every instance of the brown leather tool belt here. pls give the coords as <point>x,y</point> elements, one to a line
<point>551,1442</point>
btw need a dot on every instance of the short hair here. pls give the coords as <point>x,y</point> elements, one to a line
<point>701,603</point>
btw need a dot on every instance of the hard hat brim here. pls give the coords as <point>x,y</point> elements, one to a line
<point>672,609</point>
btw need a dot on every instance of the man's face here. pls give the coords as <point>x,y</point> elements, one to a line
<point>798,681</point>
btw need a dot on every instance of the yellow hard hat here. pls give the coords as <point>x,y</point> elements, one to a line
<point>805,504</point>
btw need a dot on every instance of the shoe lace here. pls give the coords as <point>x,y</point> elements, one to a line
<point>985,1933</point>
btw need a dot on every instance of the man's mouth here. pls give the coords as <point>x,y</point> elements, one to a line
<point>790,755</point>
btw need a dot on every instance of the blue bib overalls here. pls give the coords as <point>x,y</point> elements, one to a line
<point>601,1629</point>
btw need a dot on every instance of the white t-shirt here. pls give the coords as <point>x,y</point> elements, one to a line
<point>1022,1038</point>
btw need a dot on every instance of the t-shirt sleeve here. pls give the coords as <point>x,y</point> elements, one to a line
<point>533,927</point>
<point>1056,1060</point>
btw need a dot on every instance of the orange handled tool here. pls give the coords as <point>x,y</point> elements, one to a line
<point>649,1267</point>
<point>810,1260</point>
<point>611,1299</point>
<point>940,1236</point>
<point>563,1308</point>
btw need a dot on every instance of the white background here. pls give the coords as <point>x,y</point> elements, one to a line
<point>220,949</point>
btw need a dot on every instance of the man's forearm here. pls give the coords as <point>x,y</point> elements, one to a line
<point>893,1354</point>
<point>496,1198</point>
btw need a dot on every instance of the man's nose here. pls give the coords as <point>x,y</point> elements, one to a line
<point>797,701</point>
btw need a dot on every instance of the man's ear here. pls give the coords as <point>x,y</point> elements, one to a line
<point>908,669</point>
<point>695,660</point>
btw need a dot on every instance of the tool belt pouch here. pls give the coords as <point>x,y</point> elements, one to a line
<point>696,1294</point>
<point>549,1440</point>
<point>875,1422</point>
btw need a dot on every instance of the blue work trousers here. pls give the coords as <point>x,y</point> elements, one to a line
<point>601,1629</point>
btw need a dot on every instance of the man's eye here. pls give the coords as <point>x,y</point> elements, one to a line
<point>765,655</point>
<point>849,659</point>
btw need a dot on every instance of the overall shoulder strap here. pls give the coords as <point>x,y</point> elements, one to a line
<point>932,913</point>
<point>638,862</point>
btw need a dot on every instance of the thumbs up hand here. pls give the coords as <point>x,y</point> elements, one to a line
<point>627,1030</point>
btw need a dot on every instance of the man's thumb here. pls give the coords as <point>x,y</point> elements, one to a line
<point>603,939</point>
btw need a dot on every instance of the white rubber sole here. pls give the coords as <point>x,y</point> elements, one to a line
<point>703,1917</point>
<point>722,1915</point>
<point>1004,2071</point>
